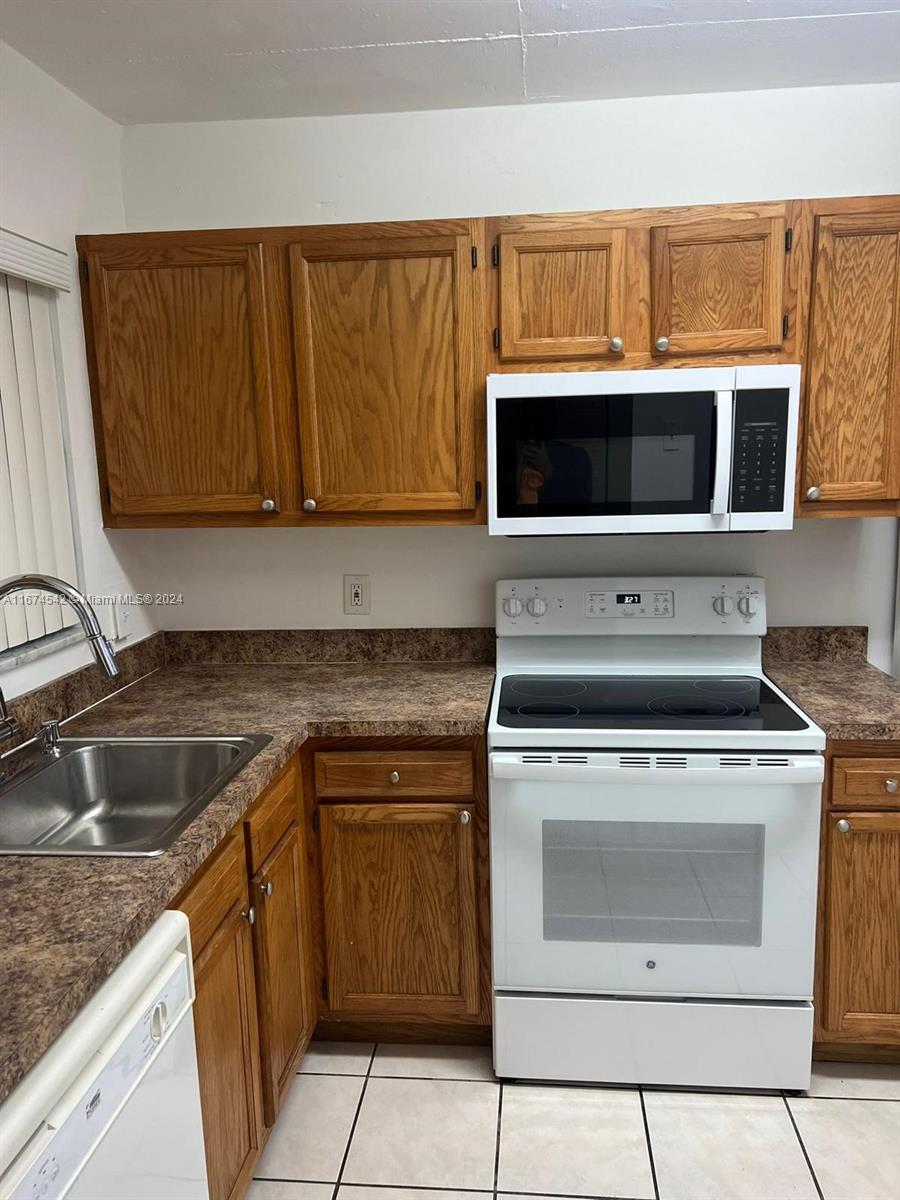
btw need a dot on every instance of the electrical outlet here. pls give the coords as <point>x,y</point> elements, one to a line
<point>357,595</point>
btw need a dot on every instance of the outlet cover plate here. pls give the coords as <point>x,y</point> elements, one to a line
<point>357,595</point>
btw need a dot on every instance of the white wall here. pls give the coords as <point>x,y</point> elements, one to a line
<point>609,154</point>
<point>61,175</point>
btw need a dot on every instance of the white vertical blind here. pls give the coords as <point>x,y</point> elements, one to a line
<point>35,516</point>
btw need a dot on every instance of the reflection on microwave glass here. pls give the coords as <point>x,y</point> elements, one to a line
<point>606,469</point>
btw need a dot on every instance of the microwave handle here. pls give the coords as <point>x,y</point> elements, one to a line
<point>724,434</point>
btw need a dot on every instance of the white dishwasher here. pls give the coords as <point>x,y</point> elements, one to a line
<point>112,1110</point>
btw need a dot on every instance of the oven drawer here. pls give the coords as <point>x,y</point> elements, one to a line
<point>394,773</point>
<point>596,1039</point>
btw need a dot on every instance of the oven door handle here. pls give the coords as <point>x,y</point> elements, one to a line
<point>724,434</point>
<point>811,770</point>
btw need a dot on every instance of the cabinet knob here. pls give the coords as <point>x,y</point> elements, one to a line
<point>813,493</point>
<point>309,506</point>
<point>394,777</point>
<point>267,888</point>
<point>890,785</point>
<point>662,343</point>
<point>249,915</point>
<point>465,817</point>
<point>843,825</point>
<point>616,345</point>
<point>268,505</point>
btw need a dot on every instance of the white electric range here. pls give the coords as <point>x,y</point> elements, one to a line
<point>655,807</point>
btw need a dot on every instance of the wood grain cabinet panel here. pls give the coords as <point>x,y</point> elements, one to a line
<point>718,285</point>
<point>394,773</point>
<point>401,925</point>
<point>562,293</point>
<point>283,961</point>
<point>183,374</point>
<point>862,935</point>
<point>852,433</point>
<point>225,1025</point>
<point>865,782</point>
<point>386,360</point>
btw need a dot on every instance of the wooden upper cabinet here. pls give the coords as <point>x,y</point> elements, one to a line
<point>718,285</point>
<point>387,363</point>
<point>852,430</point>
<point>562,293</point>
<point>183,374</point>
<point>862,949</point>
<point>400,908</point>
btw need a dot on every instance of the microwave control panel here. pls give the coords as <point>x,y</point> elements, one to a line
<point>760,450</point>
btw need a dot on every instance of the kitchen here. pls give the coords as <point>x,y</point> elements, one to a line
<point>266,270</point>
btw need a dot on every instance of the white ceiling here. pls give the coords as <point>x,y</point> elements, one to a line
<point>204,60</point>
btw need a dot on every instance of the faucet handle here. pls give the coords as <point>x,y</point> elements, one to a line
<point>9,726</point>
<point>50,737</point>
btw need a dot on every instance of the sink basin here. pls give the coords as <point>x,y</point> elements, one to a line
<point>116,796</point>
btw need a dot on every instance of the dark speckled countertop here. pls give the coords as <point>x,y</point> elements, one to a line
<point>66,923</point>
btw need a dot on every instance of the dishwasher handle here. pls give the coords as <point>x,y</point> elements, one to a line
<point>809,769</point>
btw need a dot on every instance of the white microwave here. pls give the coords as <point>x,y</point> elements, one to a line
<point>690,450</point>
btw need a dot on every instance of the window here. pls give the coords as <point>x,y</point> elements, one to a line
<point>36,532</point>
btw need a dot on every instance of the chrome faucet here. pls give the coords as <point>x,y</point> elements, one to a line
<point>103,653</point>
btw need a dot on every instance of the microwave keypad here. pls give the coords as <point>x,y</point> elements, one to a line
<point>760,436</point>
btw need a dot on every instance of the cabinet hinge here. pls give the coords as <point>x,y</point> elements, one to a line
<point>478,491</point>
<point>784,326</point>
<point>315,822</point>
<point>85,270</point>
<point>474,257</point>
<point>495,254</point>
<point>108,494</point>
<point>788,239</point>
<point>496,339</point>
<point>325,990</point>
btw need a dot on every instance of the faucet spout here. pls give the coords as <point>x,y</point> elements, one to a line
<point>103,653</point>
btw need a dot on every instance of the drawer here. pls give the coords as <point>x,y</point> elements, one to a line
<point>271,815</point>
<point>212,894</point>
<point>400,773</point>
<point>865,783</point>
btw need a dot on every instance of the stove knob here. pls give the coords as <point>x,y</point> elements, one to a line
<point>748,605</point>
<point>537,606</point>
<point>512,606</point>
<point>723,605</point>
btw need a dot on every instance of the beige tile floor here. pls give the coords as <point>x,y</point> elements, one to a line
<point>365,1122</point>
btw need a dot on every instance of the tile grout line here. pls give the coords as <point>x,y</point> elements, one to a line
<point>649,1144</point>
<point>362,1096</point>
<point>497,1147</point>
<point>802,1147</point>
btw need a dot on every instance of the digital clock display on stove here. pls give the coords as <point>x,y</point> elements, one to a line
<point>628,597</point>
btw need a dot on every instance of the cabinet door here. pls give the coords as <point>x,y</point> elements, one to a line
<point>228,1056</point>
<point>282,967</point>
<point>718,285</point>
<point>562,294</point>
<point>183,370</point>
<point>386,360</point>
<point>852,434</point>
<point>400,916</point>
<point>862,975</point>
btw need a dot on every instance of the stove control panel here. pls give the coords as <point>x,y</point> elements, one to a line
<point>621,605</point>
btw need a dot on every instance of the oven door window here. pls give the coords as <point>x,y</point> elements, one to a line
<point>619,455</point>
<point>661,882</point>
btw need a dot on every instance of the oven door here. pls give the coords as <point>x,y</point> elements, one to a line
<point>610,452</point>
<point>682,881</point>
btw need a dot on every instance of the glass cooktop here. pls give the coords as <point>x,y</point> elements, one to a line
<point>736,702</point>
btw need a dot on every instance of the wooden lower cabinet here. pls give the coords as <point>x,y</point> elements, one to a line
<point>401,921</point>
<point>225,1021</point>
<point>862,932</point>
<point>286,1016</point>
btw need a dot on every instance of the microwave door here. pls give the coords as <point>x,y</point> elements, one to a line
<point>608,462</point>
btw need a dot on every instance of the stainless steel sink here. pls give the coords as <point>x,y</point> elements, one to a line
<point>115,796</point>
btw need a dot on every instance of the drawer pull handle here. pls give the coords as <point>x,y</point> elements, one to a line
<point>249,915</point>
<point>267,888</point>
<point>844,825</point>
<point>465,817</point>
<point>890,785</point>
<point>394,777</point>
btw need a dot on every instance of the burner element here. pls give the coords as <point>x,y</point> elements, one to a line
<point>549,689</point>
<point>726,687</point>
<point>552,711</point>
<point>695,708</point>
